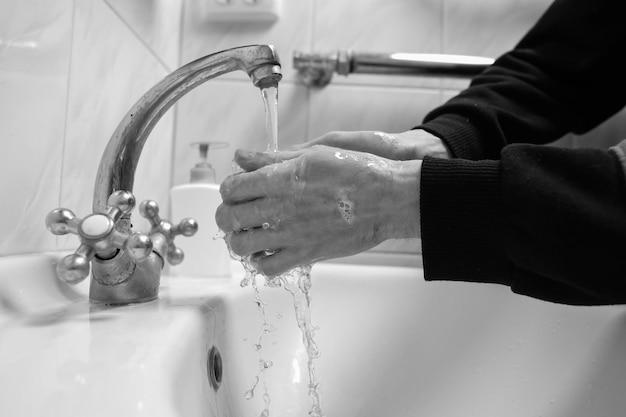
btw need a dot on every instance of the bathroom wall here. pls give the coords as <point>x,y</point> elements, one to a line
<point>70,69</point>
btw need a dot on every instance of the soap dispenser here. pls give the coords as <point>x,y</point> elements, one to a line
<point>205,255</point>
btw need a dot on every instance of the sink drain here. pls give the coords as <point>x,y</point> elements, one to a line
<point>214,368</point>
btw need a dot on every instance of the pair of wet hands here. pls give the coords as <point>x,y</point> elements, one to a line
<point>338,195</point>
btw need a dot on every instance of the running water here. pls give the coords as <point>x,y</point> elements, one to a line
<point>297,282</point>
<point>270,99</point>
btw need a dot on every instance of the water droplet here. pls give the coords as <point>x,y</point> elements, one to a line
<point>250,393</point>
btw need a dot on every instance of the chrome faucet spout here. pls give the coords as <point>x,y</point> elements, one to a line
<point>119,161</point>
<point>125,266</point>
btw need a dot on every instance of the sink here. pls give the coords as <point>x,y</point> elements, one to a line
<point>62,355</point>
<point>390,343</point>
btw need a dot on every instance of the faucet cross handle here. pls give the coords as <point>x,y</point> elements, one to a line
<point>97,233</point>
<point>187,227</point>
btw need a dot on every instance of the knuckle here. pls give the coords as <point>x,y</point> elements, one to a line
<point>237,243</point>
<point>268,269</point>
<point>222,218</point>
<point>225,188</point>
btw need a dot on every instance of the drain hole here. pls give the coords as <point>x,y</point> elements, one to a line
<point>214,368</point>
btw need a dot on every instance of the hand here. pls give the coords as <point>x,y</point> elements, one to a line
<point>412,144</point>
<point>317,203</point>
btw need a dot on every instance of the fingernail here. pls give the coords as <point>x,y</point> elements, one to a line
<point>244,154</point>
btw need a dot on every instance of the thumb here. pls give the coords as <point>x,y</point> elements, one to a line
<point>251,160</point>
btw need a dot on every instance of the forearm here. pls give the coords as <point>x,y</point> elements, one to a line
<point>550,84</point>
<point>550,223</point>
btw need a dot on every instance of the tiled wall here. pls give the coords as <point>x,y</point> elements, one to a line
<point>70,69</point>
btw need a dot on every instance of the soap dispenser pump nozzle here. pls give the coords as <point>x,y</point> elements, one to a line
<point>203,171</point>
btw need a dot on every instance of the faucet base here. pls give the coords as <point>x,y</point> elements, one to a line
<point>143,287</point>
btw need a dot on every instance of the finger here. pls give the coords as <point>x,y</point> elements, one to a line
<point>374,142</point>
<point>248,242</point>
<point>281,262</point>
<point>251,161</point>
<point>343,140</point>
<point>248,186</point>
<point>262,212</point>
<point>241,187</point>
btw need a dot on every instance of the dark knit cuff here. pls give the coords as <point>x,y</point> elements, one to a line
<point>462,219</point>
<point>458,134</point>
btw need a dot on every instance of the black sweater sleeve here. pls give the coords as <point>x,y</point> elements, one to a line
<point>564,76</point>
<point>548,222</point>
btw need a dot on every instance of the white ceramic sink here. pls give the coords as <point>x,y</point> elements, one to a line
<point>390,345</point>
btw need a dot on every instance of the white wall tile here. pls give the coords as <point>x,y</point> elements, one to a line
<point>156,23</point>
<point>31,121</point>
<point>34,37</point>
<point>340,107</point>
<point>488,27</point>
<point>35,42</point>
<point>374,25</point>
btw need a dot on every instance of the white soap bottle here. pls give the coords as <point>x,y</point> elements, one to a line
<point>205,256</point>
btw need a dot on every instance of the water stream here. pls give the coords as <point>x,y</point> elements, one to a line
<point>297,282</point>
<point>270,100</point>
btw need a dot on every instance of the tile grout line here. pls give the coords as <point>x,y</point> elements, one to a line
<point>181,23</point>
<point>307,125</point>
<point>138,37</point>
<point>67,116</point>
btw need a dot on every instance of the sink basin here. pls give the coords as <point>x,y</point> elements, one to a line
<point>63,356</point>
<point>390,343</point>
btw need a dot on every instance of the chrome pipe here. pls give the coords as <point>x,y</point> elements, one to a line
<point>317,70</point>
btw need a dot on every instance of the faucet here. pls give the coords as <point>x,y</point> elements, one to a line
<point>316,69</point>
<point>126,266</point>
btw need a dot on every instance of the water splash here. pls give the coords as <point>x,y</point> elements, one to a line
<point>297,282</point>
<point>258,346</point>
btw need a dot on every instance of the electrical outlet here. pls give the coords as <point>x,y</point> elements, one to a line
<point>241,10</point>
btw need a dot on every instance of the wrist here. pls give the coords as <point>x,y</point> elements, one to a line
<point>404,211</point>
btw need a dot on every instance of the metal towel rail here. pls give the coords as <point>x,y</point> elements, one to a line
<point>315,69</point>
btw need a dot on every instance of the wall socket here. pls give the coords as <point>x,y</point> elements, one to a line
<point>241,10</point>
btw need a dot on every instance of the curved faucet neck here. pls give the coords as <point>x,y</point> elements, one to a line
<point>121,156</point>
